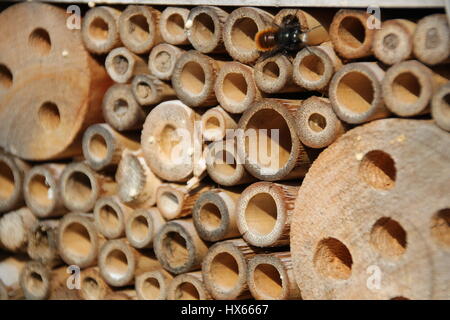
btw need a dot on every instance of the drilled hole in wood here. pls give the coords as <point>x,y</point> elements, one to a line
<point>49,116</point>
<point>187,291</point>
<point>151,289</point>
<point>40,41</point>
<point>120,64</point>
<point>193,78</point>
<point>351,32</point>
<point>355,92</point>
<point>175,249</point>
<point>312,67</point>
<point>406,87</point>
<point>76,240</point>
<point>224,271</point>
<point>203,27</point>
<point>271,70</point>
<point>99,29</point>
<point>210,216</point>
<point>440,227</point>
<point>109,218</point>
<point>234,87</point>
<point>332,259</point>
<point>6,77</point>
<point>39,190</point>
<point>317,122</point>
<point>98,148</point>
<point>377,168</point>
<point>91,288</point>
<point>116,264</point>
<point>243,34</point>
<point>138,28</point>
<point>78,187</point>
<point>7,182</point>
<point>267,280</point>
<point>388,237</point>
<point>139,228</point>
<point>261,214</point>
<point>269,144</point>
<point>120,107</point>
<point>175,24</point>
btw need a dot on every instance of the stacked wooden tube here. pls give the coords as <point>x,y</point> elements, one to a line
<point>187,186</point>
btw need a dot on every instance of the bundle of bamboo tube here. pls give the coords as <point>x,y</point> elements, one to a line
<point>214,171</point>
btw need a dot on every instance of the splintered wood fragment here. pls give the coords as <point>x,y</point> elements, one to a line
<point>171,25</point>
<point>162,59</point>
<point>204,28</point>
<point>92,285</point>
<point>78,240</point>
<point>139,28</point>
<point>120,263</point>
<point>153,285</point>
<point>188,286</point>
<point>110,216</point>
<point>12,174</point>
<point>103,146</point>
<point>271,277</point>
<point>122,65</point>
<point>42,190</point>
<point>14,229</point>
<point>142,227</point>
<point>43,242</point>
<point>317,124</point>
<point>179,247</point>
<point>81,187</point>
<point>356,94</point>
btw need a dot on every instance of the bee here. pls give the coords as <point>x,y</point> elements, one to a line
<point>287,38</point>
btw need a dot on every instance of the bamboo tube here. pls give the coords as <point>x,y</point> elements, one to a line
<point>235,87</point>
<point>332,251</point>
<point>153,285</point>
<point>103,146</point>
<point>178,247</point>
<point>39,282</point>
<point>239,32</point>
<point>270,277</point>
<point>355,93</point>
<point>14,229</point>
<point>46,119</point>
<point>224,270</point>
<point>314,67</point>
<point>149,90</point>
<point>167,140</point>
<point>274,75</point>
<point>408,87</point>
<point>142,227</point>
<point>41,190</point>
<point>120,263</point>
<point>10,270</point>
<point>317,124</point>
<point>100,30</point>
<point>432,39</point>
<point>93,287</point>
<point>393,43</point>
<point>137,184</point>
<point>193,79</point>
<point>215,123</point>
<point>351,35</point>
<point>81,187</point>
<point>79,240</point>
<point>139,28</point>
<point>440,107</point>
<point>171,25</point>
<point>264,213</point>
<point>12,173</point>
<point>122,65</point>
<point>204,27</point>
<point>43,242</point>
<point>127,294</point>
<point>215,216</point>
<point>188,286</point>
<point>110,216</point>
<point>121,110</point>
<point>176,201</point>
<point>162,59</point>
<point>271,124</point>
<point>224,165</point>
